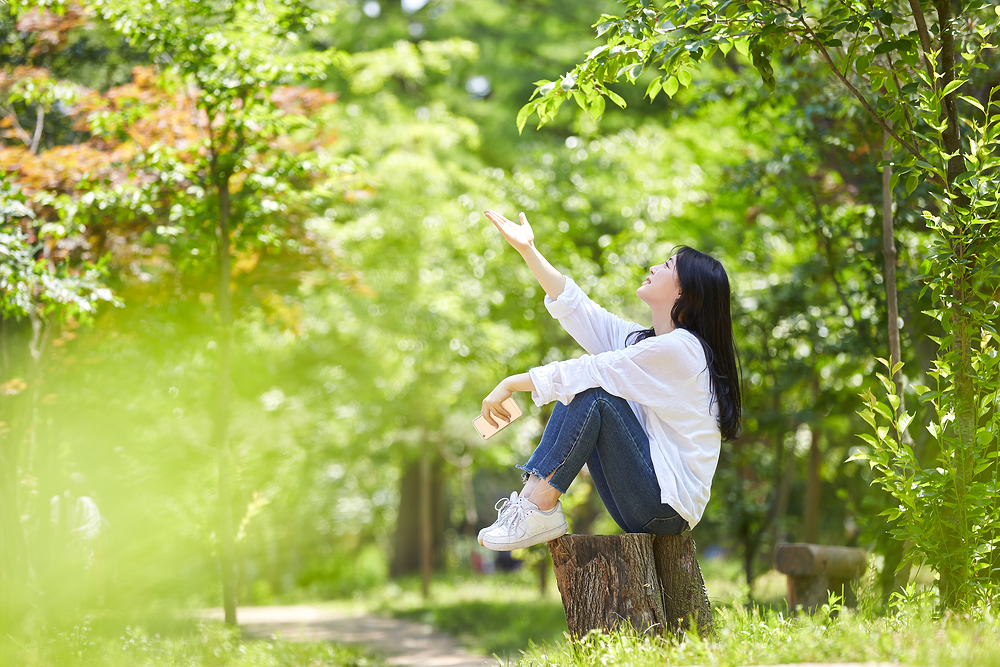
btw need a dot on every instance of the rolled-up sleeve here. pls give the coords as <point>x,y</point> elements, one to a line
<point>567,302</point>
<point>590,325</point>
<point>650,372</point>
<point>541,378</point>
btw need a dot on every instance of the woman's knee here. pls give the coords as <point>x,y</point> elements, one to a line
<point>588,397</point>
<point>595,393</point>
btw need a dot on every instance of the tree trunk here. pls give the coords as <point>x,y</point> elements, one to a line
<point>632,581</point>
<point>406,558</point>
<point>543,575</point>
<point>890,256</point>
<point>891,579</point>
<point>469,498</point>
<point>784,491</point>
<point>953,581</point>
<point>227,540</point>
<point>811,519</point>
<point>426,520</point>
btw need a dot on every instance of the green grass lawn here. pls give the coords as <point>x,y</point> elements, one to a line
<point>761,638</point>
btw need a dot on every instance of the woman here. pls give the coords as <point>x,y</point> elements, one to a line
<point>646,409</point>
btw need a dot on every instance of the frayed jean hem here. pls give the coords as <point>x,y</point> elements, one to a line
<point>534,471</point>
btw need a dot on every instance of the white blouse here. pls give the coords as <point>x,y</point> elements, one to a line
<point>664,378</point>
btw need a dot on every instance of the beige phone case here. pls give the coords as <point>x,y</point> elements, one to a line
<point>487,431</point>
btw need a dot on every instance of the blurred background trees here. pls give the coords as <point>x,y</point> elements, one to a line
<point>338,159</point>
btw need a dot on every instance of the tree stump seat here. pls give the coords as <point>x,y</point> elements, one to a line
<point>814,570</point>
<point>651,583</point>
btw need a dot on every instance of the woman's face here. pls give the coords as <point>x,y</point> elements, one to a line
<point>662,286</point>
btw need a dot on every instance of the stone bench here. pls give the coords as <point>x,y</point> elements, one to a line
<point>814,571</point>
<point>651,583</point>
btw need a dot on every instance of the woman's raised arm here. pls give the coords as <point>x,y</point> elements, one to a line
<point>522,239</point>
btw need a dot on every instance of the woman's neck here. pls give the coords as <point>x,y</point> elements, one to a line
<point>662,322</point>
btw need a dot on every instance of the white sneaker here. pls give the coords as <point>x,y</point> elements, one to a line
<point>525,525</point>
<point>504,508</point>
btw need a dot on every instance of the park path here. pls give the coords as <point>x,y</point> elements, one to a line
<point>399,642</point>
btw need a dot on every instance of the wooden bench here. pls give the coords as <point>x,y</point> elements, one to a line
<point>814,570</point>
<point>651,584</point>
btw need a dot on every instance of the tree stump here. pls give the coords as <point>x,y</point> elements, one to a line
<point>683,587</point>
<point>813,571</point>
<point>612,582</point>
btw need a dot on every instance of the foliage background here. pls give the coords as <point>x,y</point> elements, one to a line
<point>367,335</point>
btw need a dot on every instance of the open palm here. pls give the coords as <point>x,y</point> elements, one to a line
<point>519,236</point>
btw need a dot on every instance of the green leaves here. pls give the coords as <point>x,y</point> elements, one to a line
<point>760,54</point>
<point>523,114</point>
<point>895,45</point>
<point>671,86</point>
<point>40,287</point>
<point>952,87</point>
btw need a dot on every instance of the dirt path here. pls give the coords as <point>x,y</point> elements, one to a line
<point>399,642</point>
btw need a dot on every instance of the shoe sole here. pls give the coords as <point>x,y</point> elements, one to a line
<point>550,534</point>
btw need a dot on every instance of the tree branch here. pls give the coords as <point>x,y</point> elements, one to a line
<point>891,68</point>
<point>951,135</point>
<point>925,39</point>
<point>18,130</point>
<point>854,91</point>
<point>39,124</point>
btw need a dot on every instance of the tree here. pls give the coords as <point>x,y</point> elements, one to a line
<point>48,277</point>
<point>231,56</point>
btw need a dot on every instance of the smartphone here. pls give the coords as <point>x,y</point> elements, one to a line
<point>487,431</point>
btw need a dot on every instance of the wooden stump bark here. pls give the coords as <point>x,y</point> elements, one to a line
<point>679,575</point>
<point>613,582</point>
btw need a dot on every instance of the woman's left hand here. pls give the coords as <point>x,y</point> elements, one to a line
<point>492,403</point>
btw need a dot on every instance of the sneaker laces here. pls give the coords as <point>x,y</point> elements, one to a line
<point>505,508</point>
<point>517,519</point>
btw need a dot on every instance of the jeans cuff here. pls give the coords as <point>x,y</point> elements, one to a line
<point>534,471</point>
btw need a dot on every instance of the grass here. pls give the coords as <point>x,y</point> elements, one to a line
<point>506,616</point>
<point>204,645</point>
<point>755,637</point>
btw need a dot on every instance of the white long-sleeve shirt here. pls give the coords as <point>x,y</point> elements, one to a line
<point>666,382</point>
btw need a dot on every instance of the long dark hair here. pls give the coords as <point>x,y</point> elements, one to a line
<point>703,309</point>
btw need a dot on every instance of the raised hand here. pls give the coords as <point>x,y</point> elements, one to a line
<point>519,236</point>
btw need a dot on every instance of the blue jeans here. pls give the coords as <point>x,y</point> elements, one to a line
<point>601,430</point>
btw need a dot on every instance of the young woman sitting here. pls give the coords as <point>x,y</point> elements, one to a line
<point>646,410</point>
